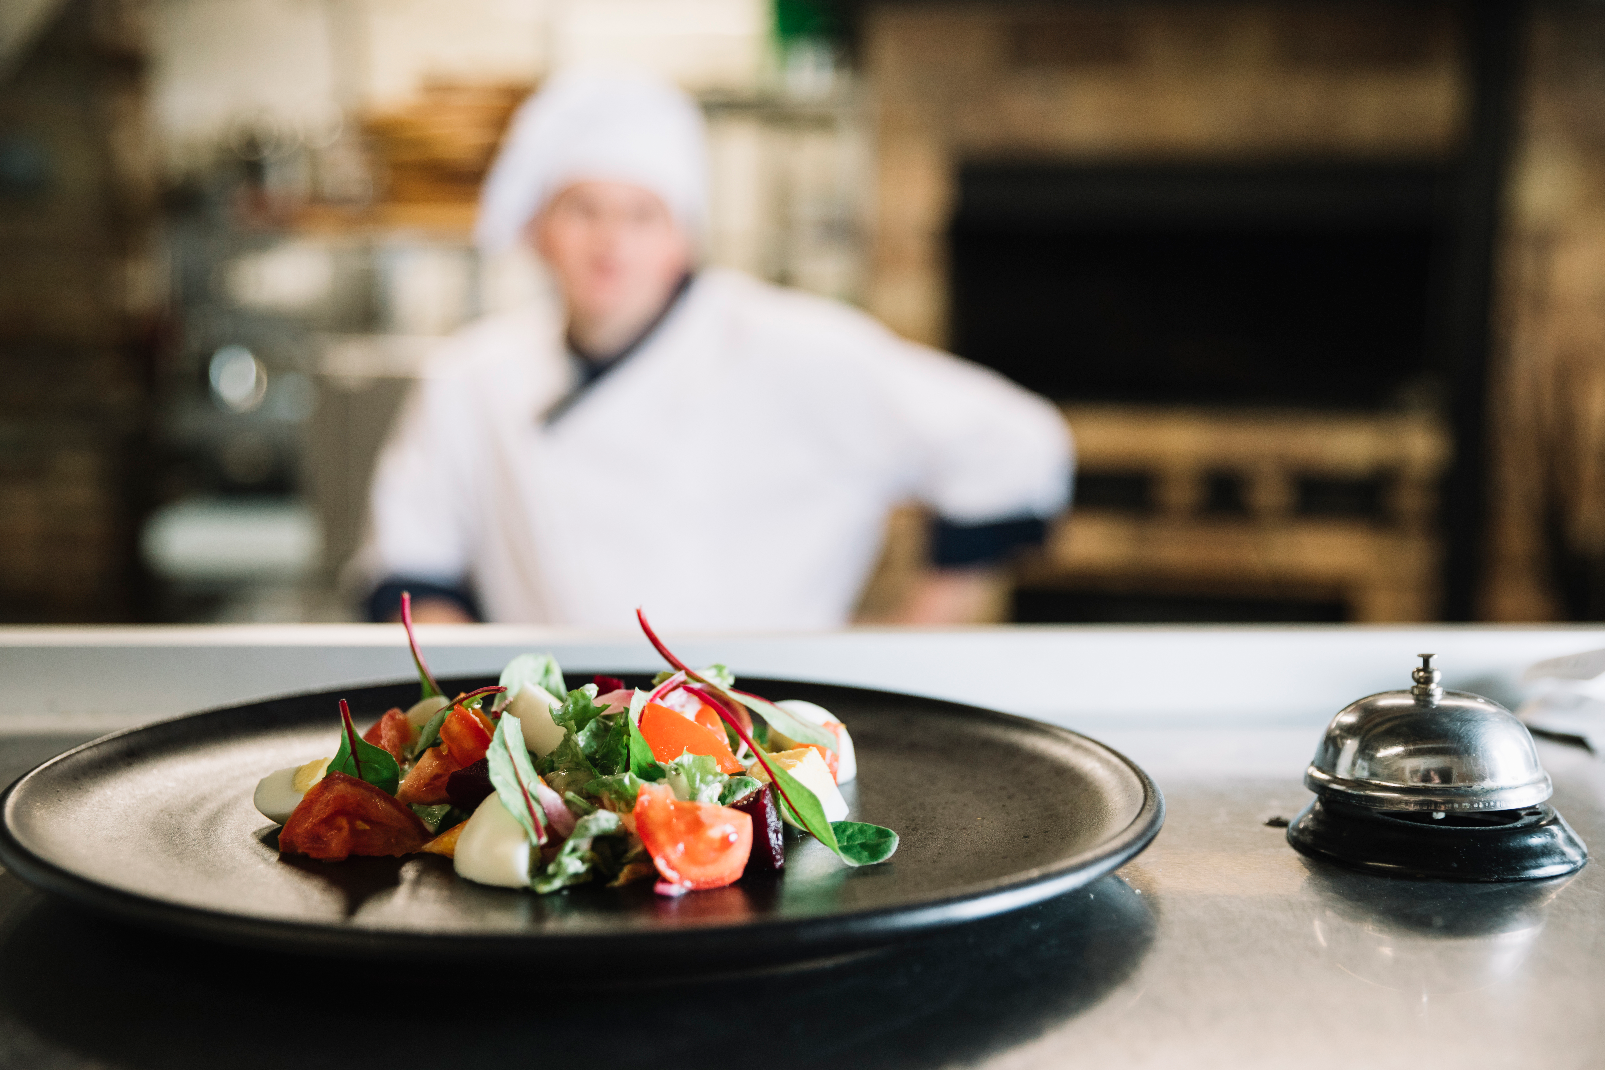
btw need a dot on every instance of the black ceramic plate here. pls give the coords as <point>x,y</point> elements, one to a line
<point>156,825</point>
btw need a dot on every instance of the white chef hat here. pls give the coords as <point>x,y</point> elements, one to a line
<point>626,127</point>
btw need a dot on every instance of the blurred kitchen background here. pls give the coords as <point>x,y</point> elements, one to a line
<point>1320,285</point>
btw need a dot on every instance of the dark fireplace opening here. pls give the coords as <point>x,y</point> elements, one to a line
<point>1318,288</point>
<point>1307,286</point>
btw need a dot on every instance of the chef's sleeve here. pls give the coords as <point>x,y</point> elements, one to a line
<point>993,461</point>
<point>418,507</point>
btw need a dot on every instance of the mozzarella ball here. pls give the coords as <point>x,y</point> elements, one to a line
<point>493,847</point>
<point>533,707</point>
<point>421,712</point>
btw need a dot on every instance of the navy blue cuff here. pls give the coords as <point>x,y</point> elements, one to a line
<point>974,545</point>
<point>385,602</point>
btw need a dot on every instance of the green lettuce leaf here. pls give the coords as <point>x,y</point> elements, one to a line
<point>566,766</point>
<point>717,674</point>
<point>619,789</point>
<point>578,710</point>
<point>576,860</point>
<point>696,778</point>
<point>863,844</point>
<point>513,776</point>
<point>611,752</point>
<point>738,788</point>
<point>361,759</point>
<point>577,806</point>
<point>539,669</point>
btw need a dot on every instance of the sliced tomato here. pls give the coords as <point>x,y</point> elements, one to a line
<point>467,734</point>
<point>425,784</point>
<point>343,816</point>
<point>393,732</point>
<point>709,718</point>
<point>671,734</point>
<point>743,718</point>
<point>694,845</point>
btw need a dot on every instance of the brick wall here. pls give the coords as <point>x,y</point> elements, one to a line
<point>1136,81</point>
<point>77,294</point>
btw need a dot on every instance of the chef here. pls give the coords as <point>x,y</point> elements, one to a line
<point>718,450</point>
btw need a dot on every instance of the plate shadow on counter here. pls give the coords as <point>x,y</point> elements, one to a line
<point>116,995</point>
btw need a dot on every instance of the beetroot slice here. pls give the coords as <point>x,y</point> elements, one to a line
<point>468,786</point>
<point>768,834</point>
<point>606,685</point>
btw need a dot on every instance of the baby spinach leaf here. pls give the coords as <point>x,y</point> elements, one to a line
<point>738,788</point>
<point>514,779</point>
<point>361,759</point>
<point>431,733</point>
<point>575,860</point>
<point>541,670</point>
<point>863,844</point>
<point>696,778</point>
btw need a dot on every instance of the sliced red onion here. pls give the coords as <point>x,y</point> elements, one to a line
<point>558,815</point>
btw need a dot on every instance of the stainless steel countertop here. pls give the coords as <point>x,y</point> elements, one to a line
<point>1219,946</point>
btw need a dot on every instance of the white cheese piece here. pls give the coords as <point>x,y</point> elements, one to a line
<point>846,761</point>
<point>279,793</point>
<point>811,771</point>
<point>533,707</point>
<point>493,847</point>
<point>420,713</point>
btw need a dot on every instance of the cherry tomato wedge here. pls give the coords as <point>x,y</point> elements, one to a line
<point>343,816</point>
<point>393,732</point>
<point>426,783</point>
<point>671,734</point>
<point>694,845</point>
<point>709,718</point>
<point>467,734</point>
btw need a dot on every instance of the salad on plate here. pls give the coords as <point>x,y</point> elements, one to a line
<point>527,784</point>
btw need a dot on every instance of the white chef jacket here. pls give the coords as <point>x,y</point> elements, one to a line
<point>735,471</point>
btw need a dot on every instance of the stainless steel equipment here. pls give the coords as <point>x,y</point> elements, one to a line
<point>1433,783</point>
<point>1428,749</point>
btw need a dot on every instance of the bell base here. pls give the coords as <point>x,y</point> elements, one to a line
<point>1507,845</point>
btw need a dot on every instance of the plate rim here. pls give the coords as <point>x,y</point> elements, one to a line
<point>810,937</point>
